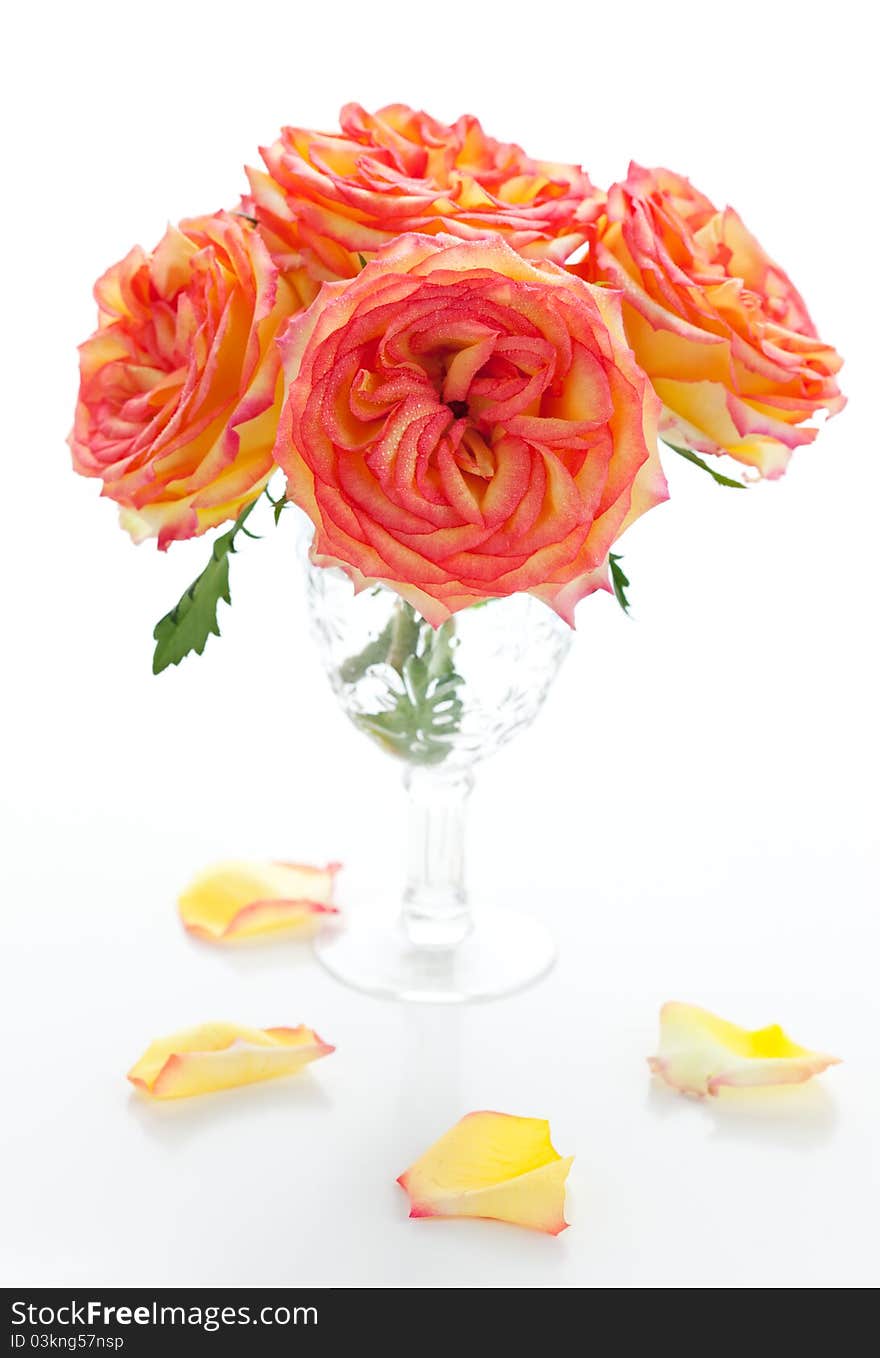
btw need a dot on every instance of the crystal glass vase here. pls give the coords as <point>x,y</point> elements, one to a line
<point>439,701</point>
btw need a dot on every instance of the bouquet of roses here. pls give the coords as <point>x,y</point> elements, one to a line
<point>461,358</point>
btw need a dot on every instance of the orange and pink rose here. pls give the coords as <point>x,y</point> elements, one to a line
<point>329,197</point>
<point>463,423</point>
<point>719,328</point>
<point>181,386</point>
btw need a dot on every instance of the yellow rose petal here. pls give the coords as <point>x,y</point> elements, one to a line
<point>699,1053</point>
<point>222,1055</point>
<point>492,1165</point>
<point>236,900</point>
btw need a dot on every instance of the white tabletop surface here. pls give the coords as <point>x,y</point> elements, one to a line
<point>694,813</point>
<point>292,1183</point>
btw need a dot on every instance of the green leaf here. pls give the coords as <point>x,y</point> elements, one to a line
<point>362,259</point>
<point>698,462</point>
<point>374,653</point>
<point>420,709</point>
<point>278,506</point>
<point>619,581</point>
<point>406,629</point>
<point>439,651</point>
<point>194,617</point>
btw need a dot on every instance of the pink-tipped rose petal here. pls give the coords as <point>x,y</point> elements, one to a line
<point>238,900</point>
<point>222,1055</point>
<point>699,1053</point>
<point>492,1165</point>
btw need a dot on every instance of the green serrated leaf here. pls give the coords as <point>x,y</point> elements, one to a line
<point>406,627</point>
<point>420,710</point>
<point>415,679</point>
<point>698,462</point>
<point>193,619</point>
<point>619,581</point>
<point>438,653</point>
<point>374,653</point>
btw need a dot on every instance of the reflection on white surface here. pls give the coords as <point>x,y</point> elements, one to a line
<point>431,1042</point>
<point>173,1121</point>
<point>294,1181</point>
<point>797,1117</point>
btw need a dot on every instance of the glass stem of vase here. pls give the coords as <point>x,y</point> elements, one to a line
<point>436,913</point>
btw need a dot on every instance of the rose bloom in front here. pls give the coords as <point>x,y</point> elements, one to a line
<point>463,424</point>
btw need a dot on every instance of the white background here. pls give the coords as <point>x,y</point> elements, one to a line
<point>694,813</point>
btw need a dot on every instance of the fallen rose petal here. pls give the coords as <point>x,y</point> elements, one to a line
<point>244,900</point>
<point>222,1055</point>
<point>700,1052</point>
<point>492,1165</point>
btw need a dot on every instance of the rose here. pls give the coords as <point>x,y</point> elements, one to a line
<point>180,386</point>
<point>717,326</point>
<point>331,196</point>
<point>462,424</point>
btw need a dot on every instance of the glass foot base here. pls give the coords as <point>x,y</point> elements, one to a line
<point>504,952</point>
